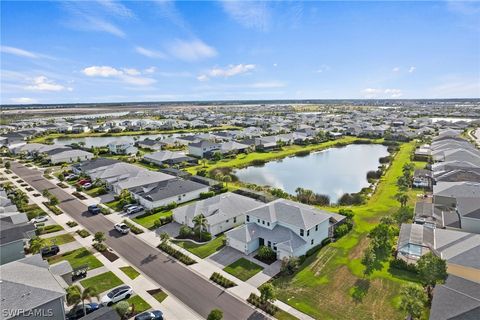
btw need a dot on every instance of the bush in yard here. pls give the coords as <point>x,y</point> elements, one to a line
<point>100,246</point>
<point>132,227</point>
<point>313,250</point>
<point>83,233</point>
<point>185,232</point>
<point>72,224</point>
<point>176,254</point>
<point>289,265</point>
<point>260,303</point>
<point>403,265</point>
<point>122,308</point>
<point>221,280</point>
<point>266,253</point>
<point>205,195</point>
<point>171,206</point>
<point>341,230</point>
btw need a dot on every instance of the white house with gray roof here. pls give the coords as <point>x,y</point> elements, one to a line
<point>288,227</point>
<point>223,212</point>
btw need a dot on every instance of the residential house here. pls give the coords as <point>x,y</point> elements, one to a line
<point>151,144</point>
<point>222,212</point>
<point>288,227</point>
<point>168,157</point>
<point>203,149</point>
<point>122,147</point>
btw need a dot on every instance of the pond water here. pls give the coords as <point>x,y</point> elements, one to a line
<point>104,141</point>
<point>451,119</point>
<point>332,172</point>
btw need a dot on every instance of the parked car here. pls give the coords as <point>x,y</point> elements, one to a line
<point>134,209</point>
<point>71,177</point>
<point>117,294</point>
<point>77,312</point>
<point>125,207</point>
<point>87,185</point>
<point>94,209</point>
<point>150,315</point>
<point>83,181</point>
<point>49,251</point>
<point>39,219</point>
<point>122,228</point>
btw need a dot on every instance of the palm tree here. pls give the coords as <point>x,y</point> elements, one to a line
<point>402,198</point>
<point>199,224</point>
<point>36,243</point>
<point>75,295</point>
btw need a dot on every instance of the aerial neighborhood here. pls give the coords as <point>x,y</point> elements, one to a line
<point>161,214</point>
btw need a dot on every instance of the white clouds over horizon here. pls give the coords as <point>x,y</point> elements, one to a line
<point>150,53</point>
<point>192,50</point>
<point>23,100</point>
<point>230,71</point>
<point>377,93</point>
<point>42,83</point>
<point>127,75</point>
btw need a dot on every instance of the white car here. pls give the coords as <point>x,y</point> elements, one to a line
<point>117,294</point>
<point>87,185</point>
<point>122,228</point>
<point>39,219</point>
<point>134,209</point>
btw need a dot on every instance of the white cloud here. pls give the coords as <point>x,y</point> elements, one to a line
<point>230,71</point>
<point>275,65</point>
<point>249,14</point>
<point>150,53</point>
<point>23,100</point>
<point>412,69</point>
<point>42,83</point>
<point>127,75</point>
<point>396,69</point>
<point>371,93</point>
<point>116,8</point>
<point>150,70</point>
<point>191,50</point>
<point>18,52</point>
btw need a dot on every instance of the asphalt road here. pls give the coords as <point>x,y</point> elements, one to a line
<point>193,290</point>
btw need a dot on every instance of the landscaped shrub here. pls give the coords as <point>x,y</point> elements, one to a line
<point>49,229</point>
<point>313,250</point>
<point>53,208</point>
<point>386,159</point>
<point>341,230</point>
<point>221,280</point>
<point>171,206</point>
<point>403,265</point>
<point>208,194</point>
<point>302,153</point>
<point>258,162</point>
<point>348,199</point>
<point>100,246</point>
<point>79,195</point>
<point>133,227</point>
<point>290,265</point>
<point>266,255</point>
<point>264,305</point>
<point>374,174</point>
<point>176,254</point>
<point>105,211</point>
<point>326,241</point>
<point>83,233</point>
<point>72,224</point>
<point>185,232</point>
<point>162,221</point>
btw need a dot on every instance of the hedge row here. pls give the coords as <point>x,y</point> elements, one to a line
<point>261,304</point>
<point>176,254</point>
<point>132,227</point>
<point>221,280</point>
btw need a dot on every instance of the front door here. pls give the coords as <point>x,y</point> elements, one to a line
<point>261,242</point>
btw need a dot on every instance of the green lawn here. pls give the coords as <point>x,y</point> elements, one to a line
<point>33,211</point>
<point>139,304</point>
<point>330,284</point>
<point>49,229</point>
<point>160,296</point>
<point>95,192</point>
<point>102,282</point>
<point>60,239</point>
<point>130,272</point>
<point>243,269</point>
<point>243,160</point>
<point>282,315</point>
<point>203,250</point>
<point>148,220</point>
<point>77,258</point>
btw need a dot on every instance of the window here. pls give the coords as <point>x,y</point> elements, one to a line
<point>316,227</point>
<point>263,221</point>
<point>248,218</point>
<point>301,232</point>
<point>308,233</point>
<point>234,219</point>
<point>268,224</point>
<point>258,220</point>
<point>227,221</point>
<point>311,242</point>
<point>269,244</point>
<point>275,246</point>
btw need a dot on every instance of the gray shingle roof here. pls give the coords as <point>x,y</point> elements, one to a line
<point>166,189</point>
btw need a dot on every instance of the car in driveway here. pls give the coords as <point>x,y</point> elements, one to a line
<point>71,177</point>
<point>150,315</point>
<point>126,207</point>
<point>77,312</point>
<point>87,185</point>
<point>134,209</point>
<point>49,251</point>
<point>94,209</point>
<point>39,219</point>
<point>122,228</point>
<point>117,294</point>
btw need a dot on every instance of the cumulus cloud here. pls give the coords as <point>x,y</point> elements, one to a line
<point>42,83</point>
<point>249,14</point>
<point>150,53</point>
<point>191,50</point>
<point>23,100</point>
<point>412,69</point>
<point>150,70</point>
<point>371,93</point>
<point>230,71</point>
<point>127,75</point>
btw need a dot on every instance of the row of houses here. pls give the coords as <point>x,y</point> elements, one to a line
<point>53,154</point>
<point>447,224</point>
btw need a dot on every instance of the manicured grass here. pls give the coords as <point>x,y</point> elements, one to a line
<point>282,315</point>
<point>130,272</point>
<point>114,205</point>
<point>139,304</point>
<point>77,258</point>
<point>49,229</point>
<point>243,160</point>
<point>95,192</point>
<point>160,296</point>
<point>243,269</point>
<point>60,239</point>
<point>330,284</point>
<point>148,220</point>
<point>33,211</point>
<point>102,282</point>
<point>203,250</point>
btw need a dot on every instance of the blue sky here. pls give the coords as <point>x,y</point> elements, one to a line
<point>111,51</point>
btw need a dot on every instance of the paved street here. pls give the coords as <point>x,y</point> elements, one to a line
<point>190,288</point>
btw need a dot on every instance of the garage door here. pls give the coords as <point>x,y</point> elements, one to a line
<point>236,244</point>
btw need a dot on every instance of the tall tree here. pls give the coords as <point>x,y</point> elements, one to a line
<point>369,260</point>
<point>36,243</point>
<point>413,300</point>
<point>199,224</point>
<point>267,292</point>
<point>402,198</point>
<point>99,237</point>
<point>75,295</point>
<point>432,270</point>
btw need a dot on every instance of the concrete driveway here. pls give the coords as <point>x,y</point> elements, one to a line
<point>172,228</point>
<point>225,256</point>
